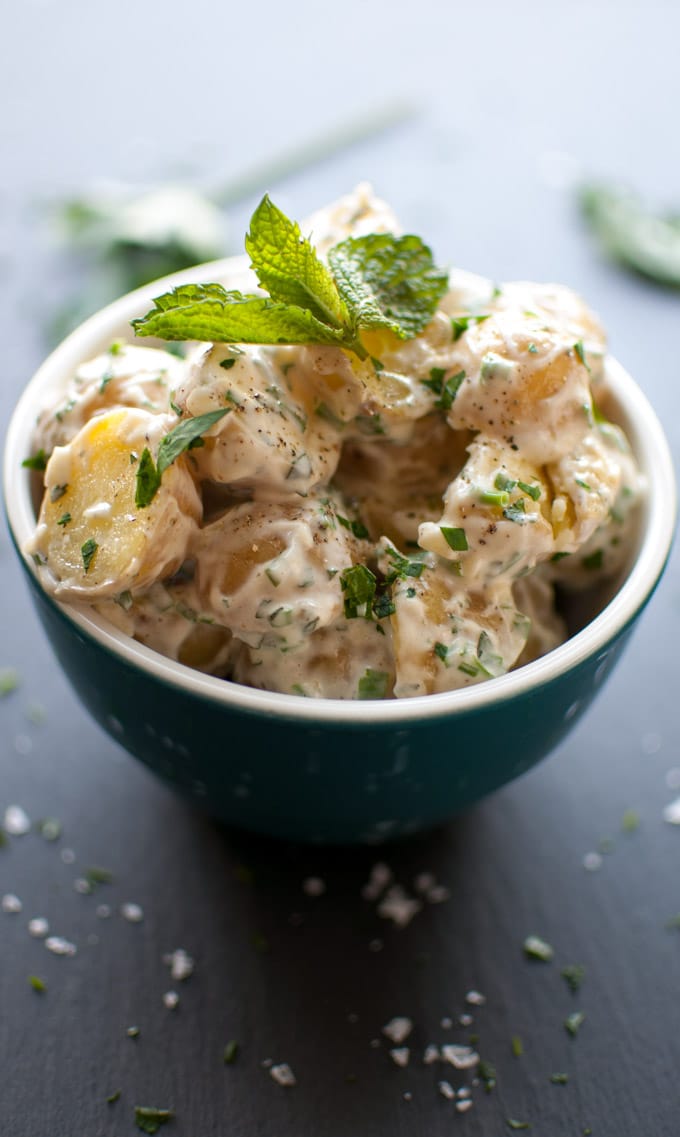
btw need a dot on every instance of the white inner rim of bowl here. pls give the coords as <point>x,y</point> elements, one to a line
<point>656,531</point>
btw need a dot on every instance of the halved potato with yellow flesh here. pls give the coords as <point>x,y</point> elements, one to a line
<point>91,538</point>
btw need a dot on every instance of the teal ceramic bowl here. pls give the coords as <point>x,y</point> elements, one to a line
<point>326,770</point>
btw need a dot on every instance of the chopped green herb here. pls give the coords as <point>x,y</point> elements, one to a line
<point>594,560</point>
<point>536,948</point>
<point>573,1023</point>
<point>373,684</point>
<point>559,1079</point>
<point>149,1119</point>
<point>517,1047</point>
<point>402,567</point>
<point>573,975</point>
<point>64,519</point>
<point>636,237</point>
<point>113,1098</point>
<point>581,352</point>
<point>37,984</point>
<point>516,512</point>
<point>231,1052</point>
<point>487,1075</point>
<point>383,606</point>
<point>630,821</point>
<point>514,1124</point>
<point>37,461</point>
<point>132,1032</point>
<point>532,348</point>
<point>105,380</point>
<point>674,922</point>
<point>606,845</point>
<point>9,680</point>
<point>584,485</point>
<point>356,527</point>
<point>455,538</point>
<point>57,491</point>
<point>445,389</point>
<point>174,407</point>
<point>534,492</point>
<point>50,828</point>
<point>376,281</point>
<point>358,584</point>
<point>442,652</point>
<point>559,556</point>
<point>499,498</point>
<point>324,412</point>
<point>228,363</point>
<point>504,483</point>
<point>97,875</point>
<point>87,551</point>
<point>460,324</point>
<point>185,436</point>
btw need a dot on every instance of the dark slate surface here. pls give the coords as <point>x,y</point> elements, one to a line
<point>512,102</point>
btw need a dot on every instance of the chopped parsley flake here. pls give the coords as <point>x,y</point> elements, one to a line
<point>356,527</point>
<point>37,461</point>
<point>574,1022</point>
<point>64,519</point>
<point>455,538</point>
<point>536,948</point>
<point>517,1047</point>
<point>358,584</point>
<point>630,821</point>
<point>9,680</point>
<point>442,652</point>
<point>87,551</point>
<point>113,1098</point>
<point>402,567</point>
<point>516,512</point>
<point>460,324</point>
<point>594,560</point>
<point>150,1119</point>
<point>584,485</point>
<point>534,492</point>
<point>228,363</point>
<point>514,1124</point>
<point>559,1079</point>
<point>445,389</point>
<point>231,1052</point>
<point>581,352</point>
<point>573,975</point>
<point>503,482</point>
<point>185,436</point>
<point>373,684</point>
<point>57,491</point>
<point>37,984</point>
<point>487,1075</point>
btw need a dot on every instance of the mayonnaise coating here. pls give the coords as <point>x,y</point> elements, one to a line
<point>348,528</point>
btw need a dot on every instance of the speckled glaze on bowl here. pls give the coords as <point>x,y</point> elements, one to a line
<point>326,770</point>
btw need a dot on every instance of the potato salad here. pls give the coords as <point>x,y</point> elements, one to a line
<point>362,479</point>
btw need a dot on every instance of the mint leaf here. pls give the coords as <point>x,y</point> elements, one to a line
<point>288,267</point>
<point>36,461</point>
<point>209,312</point>
<point>186,435</point>
<point>388,282</point>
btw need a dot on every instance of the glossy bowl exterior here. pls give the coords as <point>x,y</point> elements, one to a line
<point>325,770</point>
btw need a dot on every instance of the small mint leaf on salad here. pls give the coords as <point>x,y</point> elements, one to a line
<point>377,281</point>
<point>185,436</point>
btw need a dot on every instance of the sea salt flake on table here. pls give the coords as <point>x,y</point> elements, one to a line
<point>465,1020</point>
<point>67,856</point>
<point>438,894</point>
<point>463,1105</point>
<point>38,927</point>
<point>446,1090</point>
<point>430,1055</point>
<point>424,881</point>
<point>462,1057</point>
<point>17,822</point>
<point>592,862</point>
<point>380,877</point>
<point>59,946</point>
<point>314,886</point>
<point>407,1095</point>
<point>671,812</point>
<point>475,998</point>
<point>11,903</point>
<point>82,886</point>
<point>133,913</point>
<point>283,1074</point>
<point>400,1055</point>
<point>170,1000</point>
<point>180,963</point>
<point>398,1029</point>
<point>399,907</point>
<point>103,911</point>
<point>446,1023</point>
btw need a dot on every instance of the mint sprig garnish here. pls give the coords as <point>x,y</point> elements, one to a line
<point>372,282</point>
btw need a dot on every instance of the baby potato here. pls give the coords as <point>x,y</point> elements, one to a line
<point>267,444</point>
<point>270,571</point>
<point>124,376</point>
<point>92,540</point>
